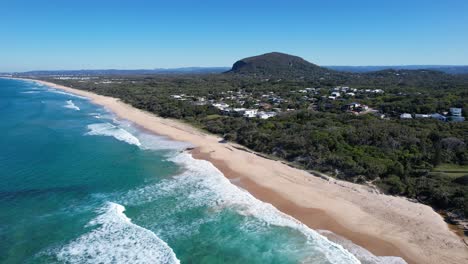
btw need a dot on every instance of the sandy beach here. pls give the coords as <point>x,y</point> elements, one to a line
<point>384,225</point>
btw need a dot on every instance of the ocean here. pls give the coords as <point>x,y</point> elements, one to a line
<point>79,185</point>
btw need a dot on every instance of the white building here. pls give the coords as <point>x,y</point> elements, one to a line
<point>266,115</point>
<point>250,113</point>
<point>406,116</point>
<point>239,111</point>
<point>221,106</point>
<point>455,111</point>
<point>422,116</point>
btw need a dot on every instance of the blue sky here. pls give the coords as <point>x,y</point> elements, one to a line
<point>85,34</point>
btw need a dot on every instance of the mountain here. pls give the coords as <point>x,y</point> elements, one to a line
<point>451,69</point>
<point>276,64</point>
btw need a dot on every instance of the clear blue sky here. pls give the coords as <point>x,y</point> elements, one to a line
<point>92,34</point>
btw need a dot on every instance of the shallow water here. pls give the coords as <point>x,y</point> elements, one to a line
<point>81,186</point>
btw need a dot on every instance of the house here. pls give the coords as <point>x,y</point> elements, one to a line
<point>357,107</point>
<point>422,116</point>
<point>250,113</point>
<point>406,116</point>
<point>350,94</point>
<point>439,117</point>
<point>266,115</point>
<point>363,108</point>
<point>221,106</point>
<point>335,94</point>
<point>455,111</point>
<point>456,115</point>
<point>238,111</point>
<point>352,106</point>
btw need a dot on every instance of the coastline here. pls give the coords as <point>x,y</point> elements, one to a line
<point>384,225</point>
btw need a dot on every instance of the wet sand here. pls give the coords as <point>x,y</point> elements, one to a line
<point>314,218</point>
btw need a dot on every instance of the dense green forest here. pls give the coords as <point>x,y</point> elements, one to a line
<point>400,156</point>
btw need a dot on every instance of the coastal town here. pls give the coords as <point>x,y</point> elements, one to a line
<point>248,104</point>
<point>242,103</point>
<point>270,104</point>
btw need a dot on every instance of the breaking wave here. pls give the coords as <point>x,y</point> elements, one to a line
<point>206,186</point>
<point>117,240</point>
<point>71,105</point>
<point>107,129</point>
<point>127,132</point>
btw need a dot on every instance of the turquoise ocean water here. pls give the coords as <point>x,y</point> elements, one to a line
<point>78,185</point>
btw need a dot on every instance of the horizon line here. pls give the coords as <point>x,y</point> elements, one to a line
<point>208,67</point>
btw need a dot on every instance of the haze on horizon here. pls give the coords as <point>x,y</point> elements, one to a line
<point>139,34</point>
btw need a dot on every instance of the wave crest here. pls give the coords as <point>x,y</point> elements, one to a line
<point>71,105</point>
<point>117,240</point>
<point>205,186</point>
<point>107,129</point>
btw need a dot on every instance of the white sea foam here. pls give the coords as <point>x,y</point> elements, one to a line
<point>127,131</point>
<point>117,240</point>
<point>153,142</point>
<point>107,129</point>
<point>71,105</point>
<point>95,115</point>
<point>361,253</point>
<point>30,92</point>
<point>147,140</point>
<point>205,185</point>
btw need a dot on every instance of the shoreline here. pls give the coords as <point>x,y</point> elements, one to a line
<point>316,219</point>
<point>384,225</point>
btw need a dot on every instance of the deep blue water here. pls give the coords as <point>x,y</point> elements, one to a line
<point>79,185</point>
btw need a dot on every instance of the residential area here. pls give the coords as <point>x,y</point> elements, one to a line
<point>337,99</point>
